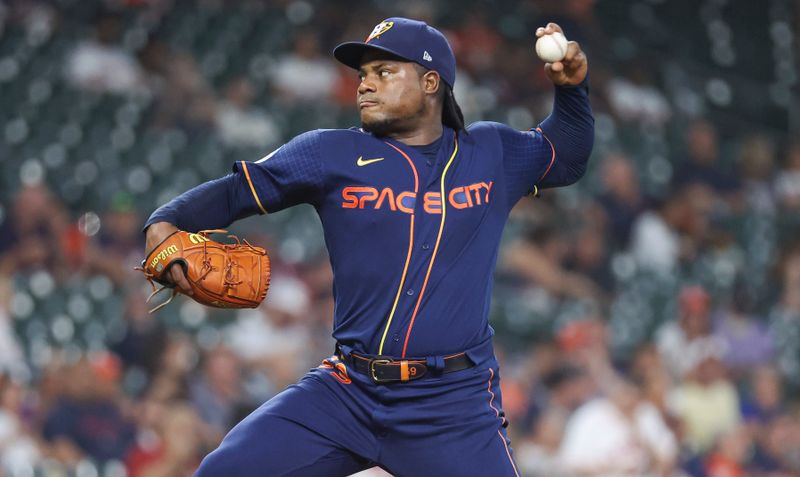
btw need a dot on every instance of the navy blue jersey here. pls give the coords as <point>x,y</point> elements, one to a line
<point>412,241</point>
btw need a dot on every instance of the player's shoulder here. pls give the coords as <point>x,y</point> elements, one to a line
<point>486,132</point>
<point>484,126</point>
<point>489,127</point>
<point>336,137</point>
<point>486,129</point>
<point>502,132</point>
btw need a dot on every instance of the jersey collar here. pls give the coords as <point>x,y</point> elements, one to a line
<point>445,150</point>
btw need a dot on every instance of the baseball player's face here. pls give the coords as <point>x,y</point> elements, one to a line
<point>390,97</point>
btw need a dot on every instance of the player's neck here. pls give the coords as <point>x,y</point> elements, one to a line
<point>421,136</point>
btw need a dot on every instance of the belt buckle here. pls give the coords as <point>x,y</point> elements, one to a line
<point>372,374</point>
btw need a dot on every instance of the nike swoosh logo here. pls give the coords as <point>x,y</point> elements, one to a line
<point>363,162</point>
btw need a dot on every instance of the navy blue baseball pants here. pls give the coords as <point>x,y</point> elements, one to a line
<point>335,422</point>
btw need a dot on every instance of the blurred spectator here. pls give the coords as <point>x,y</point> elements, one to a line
<point>621,198</point>
<point>589,257</point>
<point>648,369</point>
<point>706,402</point>
<point>217,393</point>
<point>475,43</point>
<point>757,164</point>
<point>729,458</point>
<point>516,403</point>
<point>541,360</point>
<point>33,235</point>
<point>305,74</point>
<point>538,456</point>
<point>789,278</point>
<point>239,122</point>
<point>748,342</point>
<point>764,401</point>
<point>100,65</point>
<point>142,343</point>
<point>539,258</point>
<point>674,231</point>
<point>19,447</point>
<point>178,359</point>
<point>39,19</point>
<point>569,388</point>
<point>702,164</point>
<point>784,317</point>
<point>517,82</point>
<point>12,359</point>
<point>777,440</point>
<point>273,338</point>
<point>185,98</point>
<point>621,434</point>
<point>635,99</point>
<point>119,245</point>
<point>655,239</point>
<point>177,448</point>
<point>344,90</point>
<point>89,419</point>
<point>584,343</point>
<point>787,182</point>
<point>685,342</point>
<point>777,449</point>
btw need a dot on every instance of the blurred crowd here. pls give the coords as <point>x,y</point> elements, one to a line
<point>647,319</point>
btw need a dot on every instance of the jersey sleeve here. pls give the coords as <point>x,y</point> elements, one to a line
<point>552,155</point>
<point>290,175</point>
<point>526,157</point>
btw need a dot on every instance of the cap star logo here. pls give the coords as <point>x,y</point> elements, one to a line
<point>379,30</point>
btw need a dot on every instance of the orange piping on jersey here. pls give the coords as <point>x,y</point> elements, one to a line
<point>252,189</point>
<point>491,393</point>
<point>552,158</point>
<point>408,255</point>
<point>497,412</point>
<point>435,249</point>
<point>508,452</point>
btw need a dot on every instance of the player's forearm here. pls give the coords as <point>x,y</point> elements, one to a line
<point>570,129</point>
<point>211,205</point>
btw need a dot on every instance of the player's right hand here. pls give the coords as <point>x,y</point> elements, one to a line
<point>573,68</point>
<point>156,233</point>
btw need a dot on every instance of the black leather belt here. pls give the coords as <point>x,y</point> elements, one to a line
<point>383,369</point>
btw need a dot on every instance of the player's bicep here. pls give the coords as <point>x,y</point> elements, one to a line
<point>290,175</point>
<point>527,160</point>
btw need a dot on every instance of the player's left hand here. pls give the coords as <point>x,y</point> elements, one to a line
<point>573,68</point>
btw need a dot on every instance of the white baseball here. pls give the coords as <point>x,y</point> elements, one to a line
<point>552,47</point>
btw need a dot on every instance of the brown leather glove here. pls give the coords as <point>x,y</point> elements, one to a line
<point>221,275</point>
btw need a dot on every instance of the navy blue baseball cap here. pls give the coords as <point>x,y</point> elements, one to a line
<point>411,40</point>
